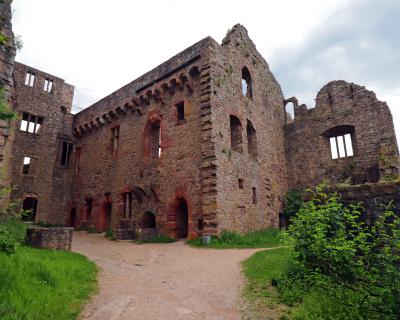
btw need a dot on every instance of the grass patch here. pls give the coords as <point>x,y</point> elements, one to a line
<point>40,284</point>
<point>265,238</point>
<point>161,238</point>
<point>262,297</point>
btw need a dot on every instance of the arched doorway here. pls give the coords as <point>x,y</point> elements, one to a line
<point>182,221</point>
<point>148,220</point>
<point>72,218</point>
<point>29,206</point>
<point>104,218</point>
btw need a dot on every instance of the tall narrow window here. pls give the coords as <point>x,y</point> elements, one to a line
<point>155,146</point>
<point>30,165</point>
<point>88,208</point>
<point>254,195</point>
<point>66,153</point>
<point>48,85</point>
<point>77,159</point>
<point>27,164</point>
<point>128,205</point>
<point>341,146</point>
<point>247,88</point>
<point>236,134</point>
<point>115,140</point>
<point>251,140</point>
<point>29,79</point>
<point>180,112</point>
<point>240,181</point>
<point>31,123</point>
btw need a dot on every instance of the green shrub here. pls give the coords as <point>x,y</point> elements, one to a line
<point>264,238</point>
<point>8,243</point>
<point>110,235</point>
<point>161,238</point>
<point>293,203</point>
<point>351,269</point>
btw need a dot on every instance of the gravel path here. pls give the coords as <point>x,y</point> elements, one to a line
<point>162,281</point>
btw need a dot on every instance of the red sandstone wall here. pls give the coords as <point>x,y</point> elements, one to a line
<point>51,183</point>
<point>341,103</point>
<point>234,207</point>
<point>155,184</point>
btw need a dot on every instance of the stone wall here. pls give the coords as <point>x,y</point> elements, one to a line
<point>48,180</point>
<point>374,197</point>
<point>7,55</point>
<point>341,108</point>
<point>49,238</point>
<point>240,170</point>
<point>155,184</point>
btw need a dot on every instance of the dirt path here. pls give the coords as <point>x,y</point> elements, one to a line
<point>162,281</point>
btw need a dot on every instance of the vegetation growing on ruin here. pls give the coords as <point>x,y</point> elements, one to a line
<point>266,238</point>
<point>42,284</point>
<point>160,238</point>
<point>335,267</point>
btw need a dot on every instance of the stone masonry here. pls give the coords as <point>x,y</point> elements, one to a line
<point>199,144</point>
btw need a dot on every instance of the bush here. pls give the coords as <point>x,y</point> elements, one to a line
<point>8,243</point>
<point>161,238</point>
<point>110,235</point>
<point>293,203</point>
<point>337,254</point>
<point>264,238</point>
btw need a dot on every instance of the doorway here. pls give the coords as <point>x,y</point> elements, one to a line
<point>72,218</point>
<point>29,206</point>
<point>182,220</point>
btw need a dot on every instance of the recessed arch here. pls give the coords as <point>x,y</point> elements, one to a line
<point>29,205</point>
<point>251,140</point>
<point>148,220</point>
<point>236,133</point>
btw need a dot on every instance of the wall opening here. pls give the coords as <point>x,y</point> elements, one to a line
<point>29,79</point>
<point>254,190</point>
<point>241,183</point>
<point>128,205</point>
<point>29,205</point>
<point>115,140</point>
<point>31,123</point>
<point>180,112</point>
<point>247,87</point>
<point>48,85</point>
<point>148,220</point>
<point>155,141</point>
<point>66,153</point>
<point>341,141</point>
<point>251,140</point>
<point>88,208</point>
<point>289,112</point>
<point>182,218</point>
<point>236,134</point>
<point>72,218</point>
<point>200,224</point>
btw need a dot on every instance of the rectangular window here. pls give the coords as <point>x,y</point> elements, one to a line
<point>48,85</point>
<point>31,123</point>
<point>66,153</point>
<point>30,165</point>
<point>27,165</point>
<point>115,140</point>
<point>29,79</point>
<point>240,181</point>
<point>341,146</point>
<point>180,111</point>
<point>128,204</point>
<point>77,159</point>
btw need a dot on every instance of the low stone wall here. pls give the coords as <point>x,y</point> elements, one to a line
<point>146,233</point>
<point>49,238</point>
<point>124,234</point>
<point>373,196</point>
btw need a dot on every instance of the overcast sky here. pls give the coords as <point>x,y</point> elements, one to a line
<point>100,45</point>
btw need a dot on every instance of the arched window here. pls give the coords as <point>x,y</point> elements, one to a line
<point>251,140</point>
<point>247,87</point>
<point>236,134</point>
<point>289,112</point>
<point>29,206</point>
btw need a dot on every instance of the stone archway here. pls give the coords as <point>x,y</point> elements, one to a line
<point>148,220</point>
<point>182,218</point>
<point>29,205</point>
